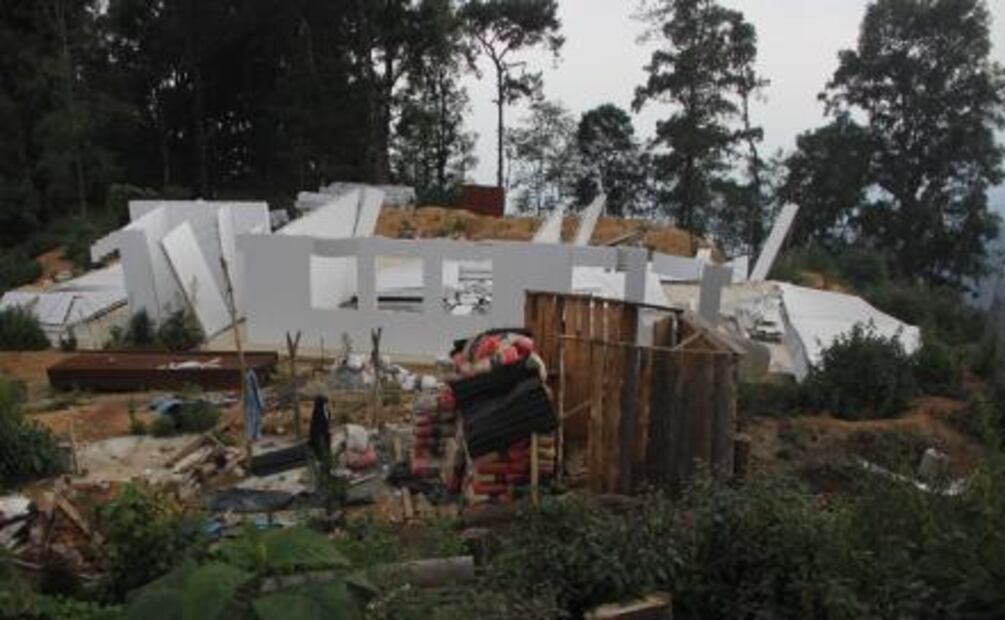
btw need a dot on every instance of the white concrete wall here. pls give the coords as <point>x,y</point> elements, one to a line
<point>150,281</point>
<point>279,288</point>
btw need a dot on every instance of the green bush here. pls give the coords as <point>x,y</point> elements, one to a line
<point>27,451</point>
<point>770,398</point>
<point>580,554</point>
<point>937,368</point>
<point>196,416</point>
<point>20,331</point>
<point>146,534</point>
<point>862,375</point>
<point>180,331</point>
<point>17,268</point>
<point>762,550</point>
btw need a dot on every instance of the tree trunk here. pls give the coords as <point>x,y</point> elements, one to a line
<point>501,127</point>
<point>71,106</point>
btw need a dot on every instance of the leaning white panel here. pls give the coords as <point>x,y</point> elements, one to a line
<point>369,212</point>
<point>193,274</point>
<point>774,243</point>
<point>588,221</point>
<point>551,230</point>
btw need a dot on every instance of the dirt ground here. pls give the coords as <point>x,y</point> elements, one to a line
<point>781,442</point>
<point>434,222</point>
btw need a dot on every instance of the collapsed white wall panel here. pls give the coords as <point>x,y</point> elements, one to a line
<point>741,268</point>
<point>370,202</point>
<point>588,221</point>
<point>773,245</point>
<point>193,273</point>
<point>550,230</point>
<point>815,319</point>
<point>332,279</point>
<point>713,279</point>
<point>676,268</point>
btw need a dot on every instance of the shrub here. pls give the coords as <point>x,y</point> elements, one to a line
<point>27,451</point>
<point>147,534</point>
<point>140,331</point>
<point>862,375</point>
<point>164,426</point>
<point>20,331</point>
<point>17,268</point>
<point>580,554</point>
<point>195,416</point>
<point>937,368</point>
<point>770,398</point>
<point>180,331</point>
<point>762,550</point>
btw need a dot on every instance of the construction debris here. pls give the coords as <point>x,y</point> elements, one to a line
<point>131,372</point>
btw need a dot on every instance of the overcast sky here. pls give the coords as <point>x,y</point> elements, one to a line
<point>602,62</point>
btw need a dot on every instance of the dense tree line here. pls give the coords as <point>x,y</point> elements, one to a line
<point>261,98</point>
<point>901,169</point>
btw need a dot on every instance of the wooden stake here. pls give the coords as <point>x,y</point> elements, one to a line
<point>376,364</point>
<point>292,344</point>
<point>535,470</point>
<point>232,309</point>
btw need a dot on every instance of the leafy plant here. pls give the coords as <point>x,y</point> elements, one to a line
<point>862,375</point>
<point>181,331</point>
<point>192,416</point>
<point>17,268</point>
<point>937,368</point>
<point>581,555</point>
<point>27,451</point>
<point>21,331</point>
<point>770,398</point>
<point>250,576</point>
<point>147,533</point>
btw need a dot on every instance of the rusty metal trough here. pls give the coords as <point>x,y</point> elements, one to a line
<point>113,371</point>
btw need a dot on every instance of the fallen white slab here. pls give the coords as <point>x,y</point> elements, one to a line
<point>816,319</point>
<point>196,280</point>
<point>774,243</point>
<point>371,200</point>
<point>588,221</point>
<point>713,279</point>
<point>551,229</point>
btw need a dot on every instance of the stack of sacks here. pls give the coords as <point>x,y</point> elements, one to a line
<point>498,476</point>
<point>491,350</point>
<point>434,423</point>
<point>353,443</point>
<point>502,401</point>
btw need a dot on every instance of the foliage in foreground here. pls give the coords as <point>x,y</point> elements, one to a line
<point>146,532</point>
<point>768,549</point>
<point>27,451</point>
<point>245,579</point>
<point>20,331</point>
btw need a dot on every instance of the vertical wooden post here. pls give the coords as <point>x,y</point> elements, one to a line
<point>376,363</point>
<point>292,344</point>
<point>560,354</point>
<point>232,309</point>
<point>535,471</point>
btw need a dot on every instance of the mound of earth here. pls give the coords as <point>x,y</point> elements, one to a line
<point>438,222</point>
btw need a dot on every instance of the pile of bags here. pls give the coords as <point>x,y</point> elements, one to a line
<point>434,424</point>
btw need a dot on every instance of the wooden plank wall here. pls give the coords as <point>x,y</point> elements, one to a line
<point>647,416</point>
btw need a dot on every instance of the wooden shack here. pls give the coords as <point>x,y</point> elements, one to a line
<point>646,393</point>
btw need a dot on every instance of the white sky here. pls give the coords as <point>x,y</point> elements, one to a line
<point>602,62</point>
